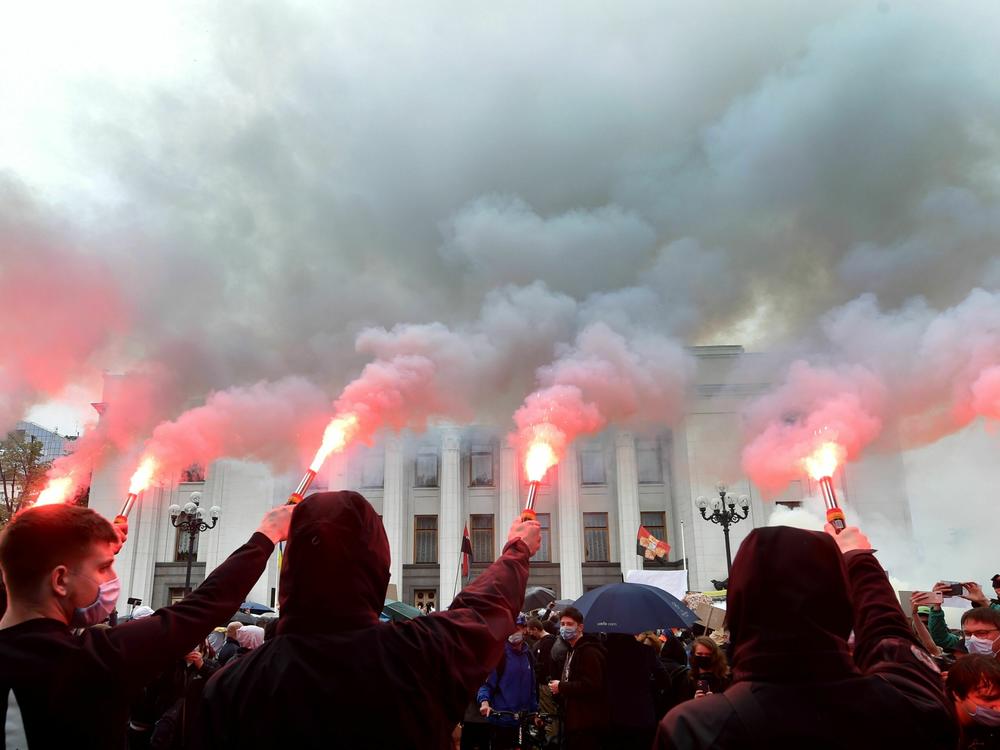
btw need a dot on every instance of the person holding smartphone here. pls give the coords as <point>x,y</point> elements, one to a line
<point>709,671</point>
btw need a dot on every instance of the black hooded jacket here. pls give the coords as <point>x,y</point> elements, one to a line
<point>334,676</point>
<point>793,600</point>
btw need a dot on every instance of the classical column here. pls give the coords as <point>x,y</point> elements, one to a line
<point>570,527</point>
<point>449,517</point>
<point>628,501</point>
<point>392,510</point>
<point>509,507</point>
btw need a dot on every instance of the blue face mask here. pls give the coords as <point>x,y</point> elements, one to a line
<point>567,632</point>
<point>987,717</point>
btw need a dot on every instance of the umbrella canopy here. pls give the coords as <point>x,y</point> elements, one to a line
<point>398,611</point>
<point>244,618</point>
<point>632,608</point>
<point>536,597</point>
<point>255,608</point>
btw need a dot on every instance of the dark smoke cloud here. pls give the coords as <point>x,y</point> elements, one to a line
<point>297,189</point>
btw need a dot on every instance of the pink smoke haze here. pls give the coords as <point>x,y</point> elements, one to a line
<point>132,406</point>
<point>812,407</point>
<point>604,378</point>
<point>279,423</point>
<point>926,372</point>
<point>59,309</point>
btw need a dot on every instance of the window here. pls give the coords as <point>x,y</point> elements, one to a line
<point>592,466</point>
<point>425,539</point>
<point>183,548</point>
<point>175,594</point>
<point>650,467</point>
<point>425,599</point>
<point>193,473</point>
<point>595,537</point>
<point>656,523</point>
<point>481,466</point>
<point>544,553</point>
<point>373,470</point>
<point>482,537</point>
<point>426,469</point>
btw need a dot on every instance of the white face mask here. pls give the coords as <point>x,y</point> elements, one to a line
<point>103,605</point>
<point>989,717</point>
<point>981,646</point>
<point>515,638</point>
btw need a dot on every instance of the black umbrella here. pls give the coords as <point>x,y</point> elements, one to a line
<point>632,608</point>
<point>244,618</point>
<point>255,608</point>
<point>536,597</point>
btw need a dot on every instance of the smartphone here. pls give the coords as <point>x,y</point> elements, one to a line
<point>930,598</point>
<point>702,685</point>
<point>954,588</point>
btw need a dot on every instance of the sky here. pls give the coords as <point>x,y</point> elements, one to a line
<point>217,196</point>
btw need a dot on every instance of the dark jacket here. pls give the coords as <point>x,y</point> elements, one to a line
<point>513,690</point>
<point>793,600</point>
<point>581,688</point>
<point>635,676</point>
<point>334,676</point>
<point>228,650</point>
<point>75,690</point>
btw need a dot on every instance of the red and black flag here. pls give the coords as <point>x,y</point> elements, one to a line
<point>650,547</point>
<point>466,552</point>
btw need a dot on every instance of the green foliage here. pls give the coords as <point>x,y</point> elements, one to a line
<point>22,473</point>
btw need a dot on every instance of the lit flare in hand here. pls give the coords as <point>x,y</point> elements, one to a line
<point>141,479</point>
<point>821,465</point>
<point>539,459</point>
<point>336,435</point>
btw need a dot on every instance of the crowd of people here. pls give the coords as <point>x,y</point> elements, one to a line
<point>816,652</point>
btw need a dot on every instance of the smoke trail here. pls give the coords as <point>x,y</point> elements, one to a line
<point>58,309</point>
<point>604,377</point>
<point>929,372</point>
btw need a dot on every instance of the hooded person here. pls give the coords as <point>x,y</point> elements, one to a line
<point>396,685</point>
<point>793,600</point>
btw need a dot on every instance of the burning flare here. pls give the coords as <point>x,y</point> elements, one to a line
<point>142,476</point>
<point>540,458</point>
<point>821,465</point>
<point>824,460</point>
<point>337,434</point>
<point>55,491</point>
<point>335,437</point>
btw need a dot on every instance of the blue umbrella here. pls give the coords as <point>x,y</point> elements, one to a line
<point>632,608</point>
<point>255,608</point>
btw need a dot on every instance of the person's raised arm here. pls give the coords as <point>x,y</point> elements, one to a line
<point>918,599</point>
<point>877,614</point>
<point>150,644</point>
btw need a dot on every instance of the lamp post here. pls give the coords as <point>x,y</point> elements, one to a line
<point>192,519</point>
<point>725,514</point>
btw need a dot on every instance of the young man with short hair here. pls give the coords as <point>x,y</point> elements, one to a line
<point>58,688</point>
<point>581,688</point>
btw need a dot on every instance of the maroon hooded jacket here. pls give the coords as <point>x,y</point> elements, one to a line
<point>334,676</point>
<point>793,600</point>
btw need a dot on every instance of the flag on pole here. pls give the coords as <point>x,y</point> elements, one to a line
<point>466,551</point>
<point>650,547</point>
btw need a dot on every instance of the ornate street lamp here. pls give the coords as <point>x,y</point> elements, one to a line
<point>725,514</point>
<point>192,519</point>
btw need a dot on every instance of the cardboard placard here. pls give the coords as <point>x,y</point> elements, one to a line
<point>712,617</point>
